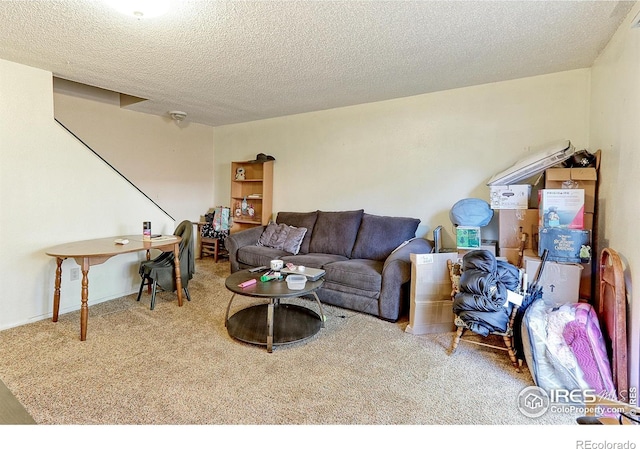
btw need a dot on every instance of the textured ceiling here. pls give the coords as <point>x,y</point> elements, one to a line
<point>235,61</point>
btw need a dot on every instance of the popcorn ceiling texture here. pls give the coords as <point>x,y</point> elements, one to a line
<point>236,61</point>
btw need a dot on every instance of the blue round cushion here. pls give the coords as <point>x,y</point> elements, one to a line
<point>471,212</point>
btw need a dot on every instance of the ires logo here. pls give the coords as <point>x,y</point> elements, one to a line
<point>533,402</point>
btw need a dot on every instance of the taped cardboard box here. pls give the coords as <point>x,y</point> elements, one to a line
<point>511,255</point>
<point>431,307</point>
<point>560,281</point>
<point>510,197</point>
<point>512,223</point>
<point>576,178</point>
<point>433,317</point>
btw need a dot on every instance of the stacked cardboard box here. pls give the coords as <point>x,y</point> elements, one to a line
<point>514,218</point>
<point>431,305</point>
<point>560,282</point>
<point>575,188</point>
<point>512,224</point>
<point>517,212</point>
<point>584,179</point>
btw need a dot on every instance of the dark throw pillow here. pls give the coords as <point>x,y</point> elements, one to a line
<point>300,220</point>
<point>281,236</point>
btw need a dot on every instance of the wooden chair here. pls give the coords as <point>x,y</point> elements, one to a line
<point>210,246</point>
<point>455,270</point>
<point>160,272</point>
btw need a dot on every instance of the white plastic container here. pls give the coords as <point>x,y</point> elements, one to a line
<point>296,281</point>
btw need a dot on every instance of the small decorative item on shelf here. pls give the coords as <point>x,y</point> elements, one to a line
<point>244,206</point>
<point>240,174</point>
<point>251,211</point>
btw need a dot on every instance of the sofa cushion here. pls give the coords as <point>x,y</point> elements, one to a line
<point>257,256</point>
<point>362,275</point>
<point>378,235</point>
<point>282,236</point>
<point>300,220</point>
<point>313,260</point>
<point>335,232</point>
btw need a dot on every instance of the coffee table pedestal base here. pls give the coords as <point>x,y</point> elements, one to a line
<point>273,324</point>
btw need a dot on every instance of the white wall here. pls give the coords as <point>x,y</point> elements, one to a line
<point>412,156</point>
<point>171,163</point>
<point>53,191</point>
<point>615,114</point>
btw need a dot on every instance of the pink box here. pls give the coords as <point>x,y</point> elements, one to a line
<point>561,208</point>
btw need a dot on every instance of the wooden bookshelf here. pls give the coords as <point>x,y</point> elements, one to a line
<point>257,189</point>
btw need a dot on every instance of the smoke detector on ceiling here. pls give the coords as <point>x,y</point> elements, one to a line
<point>178,116</point>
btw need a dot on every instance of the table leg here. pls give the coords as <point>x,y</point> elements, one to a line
<point>176,259</point>
<point>226,317</point>
<point>149,284</point>
<point>270,326</point>
<point>322,317</point>
<point>84,307</point>
<point>56,291</point>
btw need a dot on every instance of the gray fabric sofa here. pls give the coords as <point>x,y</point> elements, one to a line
<point>366,257</point>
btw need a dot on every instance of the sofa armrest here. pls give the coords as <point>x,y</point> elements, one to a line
<point>413,246</point>
<point>395,273</point>
<point>237,240</point>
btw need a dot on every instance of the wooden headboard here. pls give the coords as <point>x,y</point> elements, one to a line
<point>612,313</point>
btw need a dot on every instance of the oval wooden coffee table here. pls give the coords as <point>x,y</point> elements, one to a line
<point>273,323</point>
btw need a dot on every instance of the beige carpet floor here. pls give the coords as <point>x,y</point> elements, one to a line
<point>178,365</point>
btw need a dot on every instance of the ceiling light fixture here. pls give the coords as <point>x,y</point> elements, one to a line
<point>140,8</point>
<point>178,116</point>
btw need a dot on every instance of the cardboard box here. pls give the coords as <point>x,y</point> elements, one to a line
<point>586,179</point>
<point>468,237</point>
<point>565,245</point>
<point>433,317</point>
<point>510,254</point>
<point>486,246</point>
<point>510,197</point>
<point>430,280</point>
<point>561,208</point>
<point>586,280</point>
<point>586,276</point>
<point>580,178</point>
<point>560,281</point>
<point>512,223</point>
<point>431,306</point>
<point>588,221</point>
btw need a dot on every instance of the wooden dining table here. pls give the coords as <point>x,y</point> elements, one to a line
<point>87,253</point>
